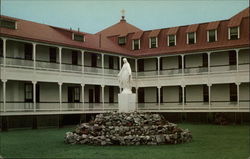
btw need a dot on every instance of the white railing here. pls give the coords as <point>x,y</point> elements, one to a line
<point>92,70</point>
<point>244,105</point>
<point>223,68</point>
<point>224,105</point>
<point>47,65</point>
<point>197,70</point>
<point>147,73</point>
<point>18,107</point>
<point>244,67</point>
<point>71,68</point>
<point>19,62</point>
<point>111,72</point>
<point>196,105</point>
<point>171,72</point>
<point>53,106</point>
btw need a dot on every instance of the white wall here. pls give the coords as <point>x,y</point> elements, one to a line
<point>49,92</point>
<point>220,92</point>
<point>66,56</point>
<point>194,93</point>
<point>171,94</point>
<point>244,91</point>
<point>219,58</point>
<point>150,64</point>
<point>244,56</point>
<point>150,94</point>
<point>14,49</point>
<point>15,91</point>
<point>42,53</point>
<point>170,62</point>
<point>193,60</point>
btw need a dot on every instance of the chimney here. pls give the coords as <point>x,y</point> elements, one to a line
<point>78,29</point>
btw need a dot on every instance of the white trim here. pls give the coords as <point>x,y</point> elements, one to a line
<point>149,42</point>
<point>238,28</point>
<point>228,33</point>
<point>208,35</point>
<point>175,40</point>
<point>195,37</point>
<point>187,38</point>
<point>139,43</point>
<point>168,40</point>
<point>156,41</point>
<point>133,42</point>
<point>216,36</point>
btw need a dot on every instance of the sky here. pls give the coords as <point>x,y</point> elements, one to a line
<point>95,15</point>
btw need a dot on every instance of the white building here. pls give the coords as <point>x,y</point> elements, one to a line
<point>49,71</point>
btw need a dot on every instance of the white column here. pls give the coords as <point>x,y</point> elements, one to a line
<point>102,96</point>
<point>183,96</point>
<point>4,52</point>
<point>238,95</point>
<point>136,69</point>
<point>182,64</point>
<point>34,55</point>
<point>158,66</point>
<point>60,95</point>
<point>120,62</point>
<point>136,98</point>
<point>82,53</point>
<point>34,95</point>
<point>237,59</point>
<point>82,95</point>
<point>159,97</point>
<point>208,62</point>
<point>60,59</point>
<point>102,64</point>
<point>4,94</point>
<point>209,95</point>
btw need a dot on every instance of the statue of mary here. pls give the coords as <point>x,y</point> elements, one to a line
<point>125,77</point>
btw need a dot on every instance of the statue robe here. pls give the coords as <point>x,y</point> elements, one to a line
<point>125,77</point>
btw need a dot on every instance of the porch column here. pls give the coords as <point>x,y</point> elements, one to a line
<point>182,64</point>
<point>34,95</point>
<point>208,62</point>
<point>82,53</point>
<point>237,59</point>
<point>136,69</point>
<point>159,97</point>
<point>60,95</point>
<point>34,55</point>
<point>120,62</point>
<point>103,64</point>
<point>4,52</point>
<point>102,96</point>
<point>209,96</point>
<point>158,66</point>
<point>183,96</point>
<point>136,98</point>
<point>238,94</point>
<point>4,94</point>
<point>82,85</point>
<point>60,58</point>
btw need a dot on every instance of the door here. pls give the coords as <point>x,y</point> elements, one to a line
<point>97,94</point>
<point>52,55</point>
<point>74,58</point>
<point>73,94</point>
<point>111,62</point>
<point>140,65</point>
<point>91,96</point>
<point>93,60</point>
<point>37,93</point>
<point>28,52</point>
<point>111,94</point>
<point>141,98</point>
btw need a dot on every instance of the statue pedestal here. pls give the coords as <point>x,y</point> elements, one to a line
<point>127,102</point>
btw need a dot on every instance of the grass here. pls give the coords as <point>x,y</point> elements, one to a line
<point>210,142</point>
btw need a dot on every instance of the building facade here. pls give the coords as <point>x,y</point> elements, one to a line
<point>199,68</point>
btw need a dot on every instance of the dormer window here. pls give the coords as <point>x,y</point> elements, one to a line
<point>153,42</point>
<point>122,40</point>
<point>234,33</point>
<point>136,44</point>
<point>191,38</point>
<point>212,35</point>
<point>171,40</point>
<point>10,24</point>
<point>78,37</point>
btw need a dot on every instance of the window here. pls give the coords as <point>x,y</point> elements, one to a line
<point>1,48</point>
<point>234,33</point>
<point>136,44</point>
<point>212,35</point>
<point>28,92</point>
<point>171,40</point>
<point>78,37</point>
<point>28,51</point>
<point>122,40</point>
<point>74,58</point>
<point>7,24</point>
<point>191,38</point>
<point>77,94</point>
<point>153,42</point>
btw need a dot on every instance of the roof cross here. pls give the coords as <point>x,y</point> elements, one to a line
<point>123,13</point>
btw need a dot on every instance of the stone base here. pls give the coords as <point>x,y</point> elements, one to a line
<point>127,102</point>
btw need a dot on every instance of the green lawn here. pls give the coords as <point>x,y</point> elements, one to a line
<point>210,142</point>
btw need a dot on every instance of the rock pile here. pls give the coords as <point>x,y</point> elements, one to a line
<point>128,129</point>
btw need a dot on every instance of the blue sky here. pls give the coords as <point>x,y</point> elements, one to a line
<point>94,15</point>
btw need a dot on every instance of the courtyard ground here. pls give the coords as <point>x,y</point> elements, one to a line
<point>210,142</point>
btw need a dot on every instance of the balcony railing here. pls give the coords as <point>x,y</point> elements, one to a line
<point>19,62</point>
<point>44,65</point>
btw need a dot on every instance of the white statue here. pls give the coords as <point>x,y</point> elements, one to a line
<point>125,77</point>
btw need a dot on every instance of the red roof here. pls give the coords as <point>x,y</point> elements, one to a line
<point>106,40</point>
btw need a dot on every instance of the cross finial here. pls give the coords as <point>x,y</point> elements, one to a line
<point>123,13</point>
